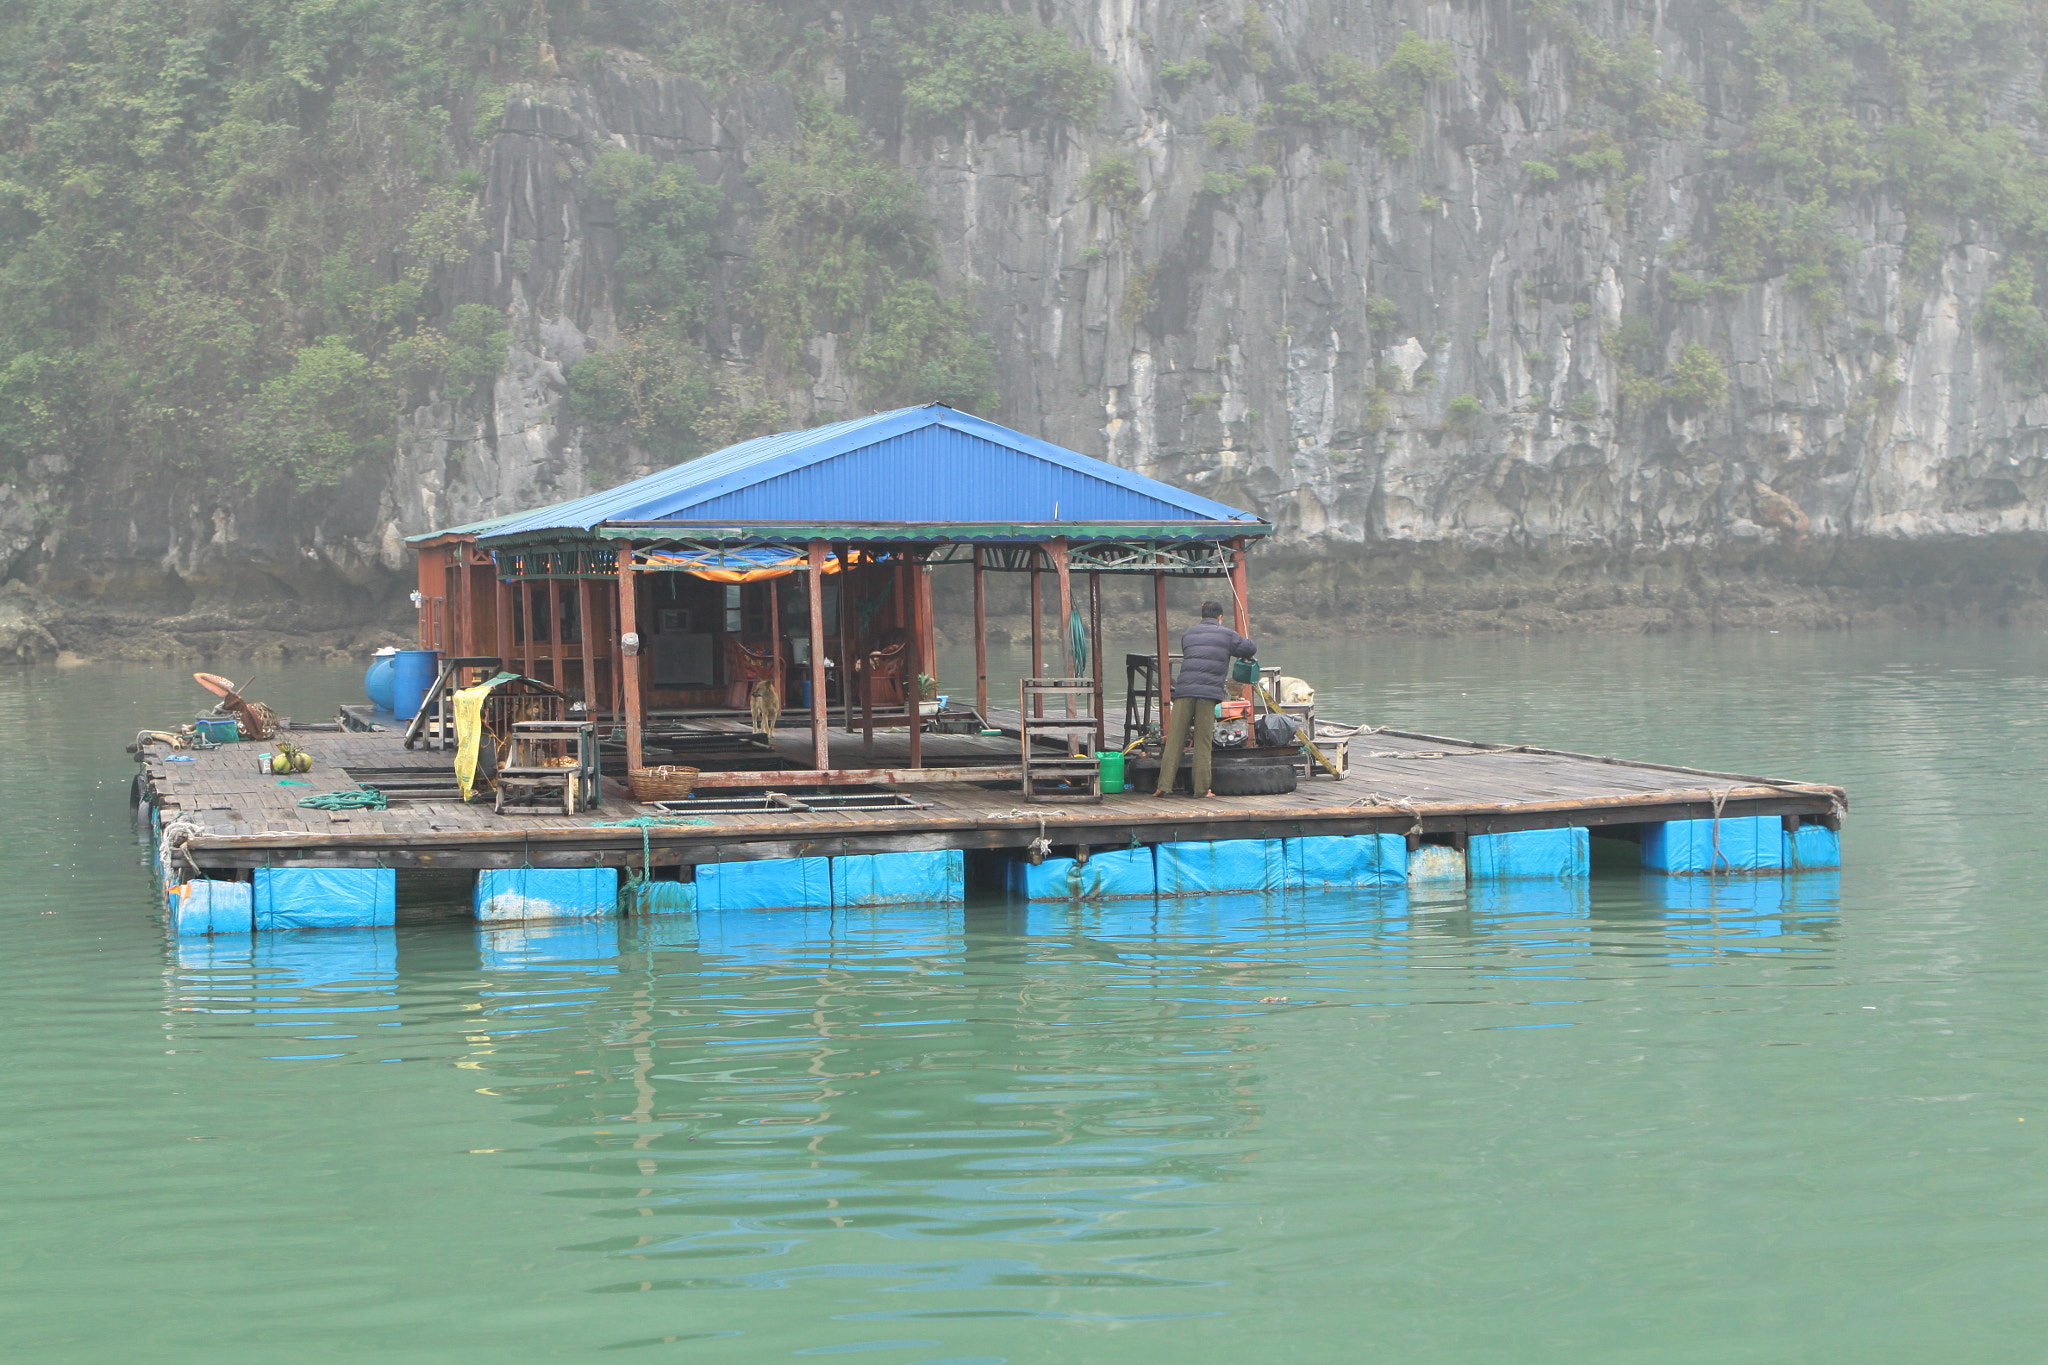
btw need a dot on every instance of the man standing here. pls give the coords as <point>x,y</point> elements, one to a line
<point>1205,654</point>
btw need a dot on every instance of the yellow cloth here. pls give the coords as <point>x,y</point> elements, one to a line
<point>469,733</point>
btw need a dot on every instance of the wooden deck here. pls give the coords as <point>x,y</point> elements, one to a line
<point>1425,786</point>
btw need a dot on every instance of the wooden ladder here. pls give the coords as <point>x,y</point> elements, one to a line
<point>1076,776</point>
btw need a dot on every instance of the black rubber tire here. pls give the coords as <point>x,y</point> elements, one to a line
<point>1252,779</point>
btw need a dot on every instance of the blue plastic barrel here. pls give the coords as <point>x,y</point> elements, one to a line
<point>412,674</point>
<point>377,679</point>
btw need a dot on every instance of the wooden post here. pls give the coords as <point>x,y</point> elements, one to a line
<point>544,590</point>
<point>980,635</point>
<point>1095,654</point>
<point>458,600</point>
<point>846,609</point>
<point>629,667</point>
<point>1058,550</point>
<point>821,746</point>
<point>928,638</point>
<point>1037,645</point>
<point>613,653</point>
<point>775,676</point>
<point>423,592</point>
<point>504,599</point>
<point>1164,685</point>
<point>583,629</point>
<point>914,698</point>
<point>1238,590</point>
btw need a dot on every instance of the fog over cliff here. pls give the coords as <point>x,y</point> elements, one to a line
<point>1506,313</point>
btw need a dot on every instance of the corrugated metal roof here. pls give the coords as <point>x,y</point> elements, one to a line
<point>480,528</point>
<point>926,464</point>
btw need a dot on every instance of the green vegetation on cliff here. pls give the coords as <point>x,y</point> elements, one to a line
<point>229,230</point>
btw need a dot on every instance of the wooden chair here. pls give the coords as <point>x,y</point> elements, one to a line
<point>744,666</point>
<point>882,679</point>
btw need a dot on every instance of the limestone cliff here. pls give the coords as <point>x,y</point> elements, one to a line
<point>1570,330</point>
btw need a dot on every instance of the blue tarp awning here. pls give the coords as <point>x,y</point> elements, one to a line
<point>917,466</point>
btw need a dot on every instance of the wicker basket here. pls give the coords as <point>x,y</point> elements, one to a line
<point>661,784</point>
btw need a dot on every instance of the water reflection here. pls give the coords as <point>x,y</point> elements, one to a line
<point>1053,1098</point>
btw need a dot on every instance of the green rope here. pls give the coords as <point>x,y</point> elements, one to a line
<point>1077,642</point>
<point>369,798</point>
<point>645,824</point>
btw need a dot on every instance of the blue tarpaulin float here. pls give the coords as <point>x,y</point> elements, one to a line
<point>325,897</point>
<point>1201,868</point>
<point>201,907</point>
<point>768,884</point>
<point>1813,848</point>
<point>899,878</point>
<point>1748,843</point>
<point>1323,862</point>
<point>1529,854</point>
<point>547,893</point>
<point>1112,874</point>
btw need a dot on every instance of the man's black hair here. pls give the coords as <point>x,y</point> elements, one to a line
<point>1211,612</point>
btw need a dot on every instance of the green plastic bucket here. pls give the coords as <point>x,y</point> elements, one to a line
<point>1112,765</point>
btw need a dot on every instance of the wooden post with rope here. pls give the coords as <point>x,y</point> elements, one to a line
<point>629,665</point>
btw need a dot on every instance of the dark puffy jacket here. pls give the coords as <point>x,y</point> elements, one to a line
<point>1205,654</point>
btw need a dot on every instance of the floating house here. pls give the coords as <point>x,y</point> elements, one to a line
<point>763,618</point>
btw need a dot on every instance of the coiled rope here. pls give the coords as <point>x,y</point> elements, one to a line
<point>367,798</point>
<point>170,847</point>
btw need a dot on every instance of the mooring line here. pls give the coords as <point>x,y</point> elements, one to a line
<point>1402,803</point>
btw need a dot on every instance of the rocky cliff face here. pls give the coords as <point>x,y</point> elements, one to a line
<point>1545,339</point>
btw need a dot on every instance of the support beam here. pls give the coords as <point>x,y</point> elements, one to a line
<point>591,701</point>
<point>1037,643</point>
<point>927,615</point>
<point>458,602</point>
<point>913,698</point>
<point>777,675</point>
<point>507,645</point>
<point>1095,656</point>
<point>980,634</point>
<point>1239,590</point>
<point>1057,549</point>
<point>847,643</point>
<point>629,663</point>
<point>821,745</point>
<point>553,617</point>
<point>1165,668</point>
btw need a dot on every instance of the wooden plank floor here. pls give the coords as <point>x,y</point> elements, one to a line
<point>1397,781</point>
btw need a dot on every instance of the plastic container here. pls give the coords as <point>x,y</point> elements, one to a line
<point>412,676</point>
<point>1112,764</point>
<point>377,679</point>
<point>218,729</point>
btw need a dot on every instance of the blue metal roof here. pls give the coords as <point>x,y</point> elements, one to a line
<point>925,465</point>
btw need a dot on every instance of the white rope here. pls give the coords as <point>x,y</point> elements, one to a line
<point>1038,848</point>
<point>170,845</point>
<point>1719,795</point>
<point>1400,803</point>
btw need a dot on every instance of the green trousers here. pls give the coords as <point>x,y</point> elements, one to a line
<point>1201,712</point>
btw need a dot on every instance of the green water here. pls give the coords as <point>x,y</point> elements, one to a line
<point>1542,1126</point>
